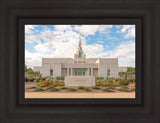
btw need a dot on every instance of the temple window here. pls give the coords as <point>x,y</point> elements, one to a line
<point>51,72</point>
<point>108,72</point>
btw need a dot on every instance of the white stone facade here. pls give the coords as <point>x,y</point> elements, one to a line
<point>79,66</point>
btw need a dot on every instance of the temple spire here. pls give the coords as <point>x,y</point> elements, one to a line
<point>79,40</point>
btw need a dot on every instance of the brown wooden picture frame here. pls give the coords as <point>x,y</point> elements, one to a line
<point>144,14</point>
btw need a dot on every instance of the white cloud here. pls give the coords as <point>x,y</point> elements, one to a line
<point>125,52</point>
<point>90,30</point>
<point>29,29</point>
<point>118,26</point>
<point>129,31</point>
<point>63,27</point>
<point>32,38</point>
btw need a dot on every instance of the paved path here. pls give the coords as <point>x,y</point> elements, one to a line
<point>79,95</point>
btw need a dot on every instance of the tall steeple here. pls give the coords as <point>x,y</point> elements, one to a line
<point>79,53</point>
<point>79,40</point>
<point>80,47</point>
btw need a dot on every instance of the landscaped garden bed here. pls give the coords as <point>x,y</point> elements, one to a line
<point>57,85</point>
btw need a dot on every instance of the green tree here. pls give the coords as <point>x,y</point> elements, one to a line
<point>25,68</point>
<point>131,70</point>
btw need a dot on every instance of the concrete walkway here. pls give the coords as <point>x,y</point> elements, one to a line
<point>79,95</point>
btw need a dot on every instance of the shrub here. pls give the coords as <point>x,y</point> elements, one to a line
<point>26,79</point>
<point>123,82</point>
<point>111,84</point>
<point>63,88</point>
<point>39,89</point>
<point>80,87</point>
<point>58,78</point>
<point>132,89</point>
<point>31,87</point>
<point>107,89</point>
<point>31,79</point>
<point>60,81</point>
<point>37,79</point>
<point>54,84</point>
<point>61,84</point>
<point>86,89</point>
<point>41,85</point>
<point>97,88</point>
<point>104,84</point>
<point>46,83</point>
<point>122,88</point>
<point>43,79</point>
<point>53,89</point>
<point>125,75</point>
<point>111,87</point>
<point>98,84</point>
<point>72,89</point>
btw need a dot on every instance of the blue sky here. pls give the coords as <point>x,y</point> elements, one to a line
<point>98,41</point>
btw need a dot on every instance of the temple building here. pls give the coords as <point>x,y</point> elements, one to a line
<point>78,66</point>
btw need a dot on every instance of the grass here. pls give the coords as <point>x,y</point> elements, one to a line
<point>53,89</point>
<point>107,90</point>
<point>39,89</point>
<point>132,89</point>
<point>31,87</point>
<point>63,88</point>
<point>86,89</point>
<point>72,89</point>
<point>97,88</point>
<point>111,87</point>
<point>81,88</point>
<point>123,88</point>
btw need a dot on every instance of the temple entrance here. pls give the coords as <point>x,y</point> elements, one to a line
<point>79,72</point>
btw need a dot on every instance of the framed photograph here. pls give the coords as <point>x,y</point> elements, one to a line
<point>80,61</point>
<point>72,61</point>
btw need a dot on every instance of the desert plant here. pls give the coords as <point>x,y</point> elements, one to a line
<point>111,87</point>
<point>53,89</point>
<point>98,84</point>
<point>31,79</point>
<point>72,89</point>
<point>46,83</point>
<point>37,79</point>
<point>123,88</point>
<point>26,79</point>
<point>107,89</point>
<point>132,89</point>
<point>104,84</point>
<point>61,84</point>
<point>125,75</point>
<point>80,87</point>
<point>97,88</point>
<point>86,89</point>
<point>39,89</point>
<point>43,79</point>
<point>123,82</point>
<point>31,87</point>
<point>41,85</point>
<point>63,88</point>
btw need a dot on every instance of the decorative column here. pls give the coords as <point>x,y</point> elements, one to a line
<point>88,71</point>
<point>91,71</point>
<point>71,71</point>
<point>67,71</point>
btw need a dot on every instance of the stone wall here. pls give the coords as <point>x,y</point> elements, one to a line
<point>108,63</point>
<point>76,81</point>
<point>47,67</point>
